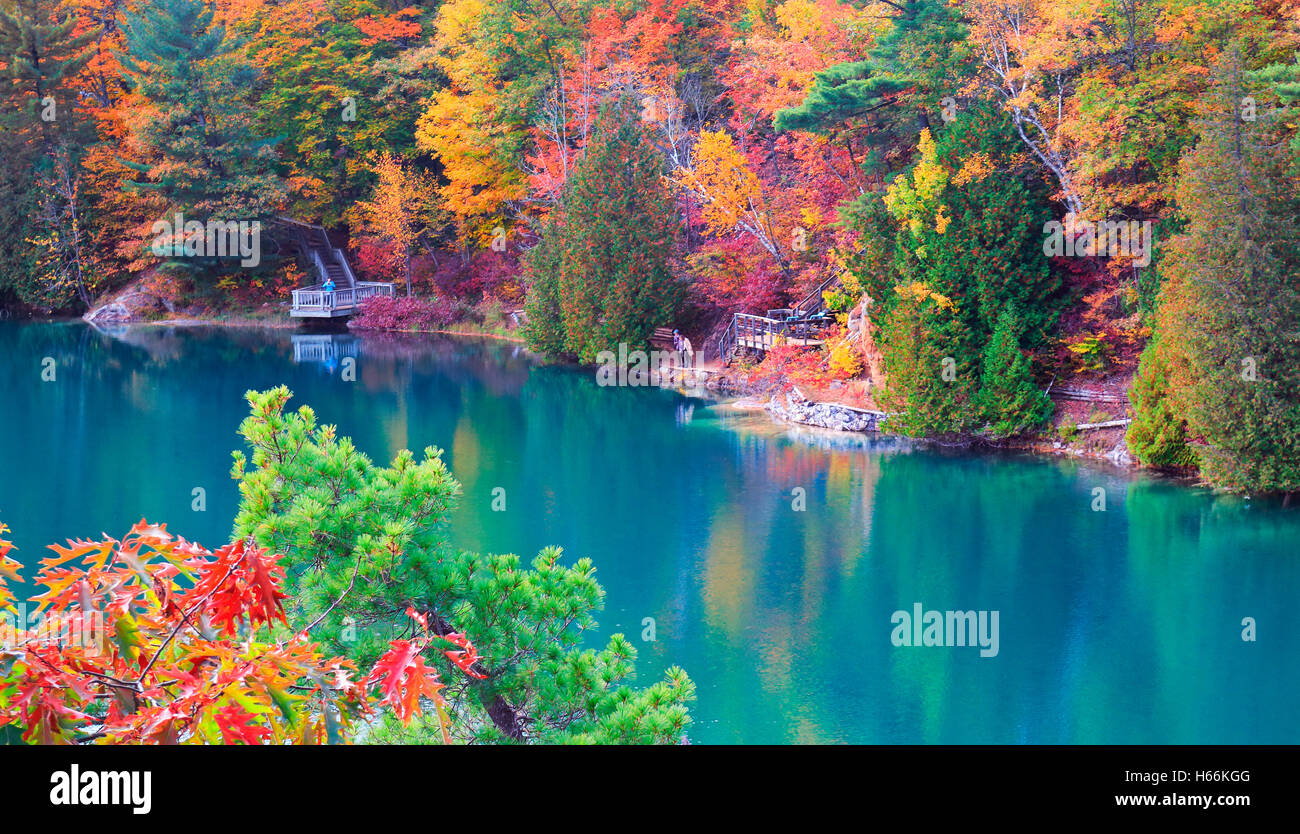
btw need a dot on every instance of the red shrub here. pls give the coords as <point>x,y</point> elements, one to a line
<point>791,364</point>
<point>402,313</point>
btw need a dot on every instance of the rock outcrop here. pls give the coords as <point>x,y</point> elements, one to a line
<point>794,407</point>
<point>140,300</point>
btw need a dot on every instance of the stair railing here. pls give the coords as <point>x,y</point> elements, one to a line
<point>815,297</point>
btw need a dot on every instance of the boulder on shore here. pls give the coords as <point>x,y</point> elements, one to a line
<point>796,408</point>
<point>131,304</point>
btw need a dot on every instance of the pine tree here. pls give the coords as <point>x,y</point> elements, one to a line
<point>1231,310</point>
<point>896,84</point>
<point>40,138</point>
<point>43,54</point>
<point>602,276</point>
<point>363,543</point>
<point>1284,79</point>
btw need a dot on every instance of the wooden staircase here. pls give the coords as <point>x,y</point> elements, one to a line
<point>333,260</point>
<point>327,262</point>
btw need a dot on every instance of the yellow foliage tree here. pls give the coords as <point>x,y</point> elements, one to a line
<point>404,205</point>
<point>730,193</point>
<point>466,125</point>
<point>915,201</point>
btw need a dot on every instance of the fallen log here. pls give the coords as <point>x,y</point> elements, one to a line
<point>1109,424</point>
<point>1082,395</point>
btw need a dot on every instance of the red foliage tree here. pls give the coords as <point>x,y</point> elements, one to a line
<point>156,640</point>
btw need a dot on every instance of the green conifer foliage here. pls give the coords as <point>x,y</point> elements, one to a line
<point>365,542</point>
<point>38,125</point>
<point>43,55</point>
<point>1013,402</point>
<point>1158,434</point>
<point>209,163</point>
<point>1285,82</point>
<point>910,69</point>
<point>968,248</point>
<point>602,275</point>
<point>933,383</point>
<point>1232,307</point>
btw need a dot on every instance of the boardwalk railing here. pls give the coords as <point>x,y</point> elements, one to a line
<point>812,302</point>
<point>315,299</point>
<point>330,263</point>
<point>763,333</point>
<point>319,263</point>
<point>798,325</point>
<point>1084,395</point>
<point>324,348</point>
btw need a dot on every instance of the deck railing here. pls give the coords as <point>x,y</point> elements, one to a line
<point>314,298</point>
<point>812,302</point>
<point>314,301</point>
<point>763,333</point>
<point>319,264</point>
<point>324,348</point>
<point>761,327</point>
<point>802,322</point>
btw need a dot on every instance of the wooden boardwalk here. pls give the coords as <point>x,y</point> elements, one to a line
<point>762,333</point>
<point>800,325</point>
<point>327,262</point>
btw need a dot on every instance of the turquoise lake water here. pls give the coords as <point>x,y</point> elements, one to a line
<point>1118,626</point>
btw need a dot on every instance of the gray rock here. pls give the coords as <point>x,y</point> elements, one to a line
<point>795,408</point>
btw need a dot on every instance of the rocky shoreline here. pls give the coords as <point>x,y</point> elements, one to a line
<point>788,405</point>
<point>794,407</point>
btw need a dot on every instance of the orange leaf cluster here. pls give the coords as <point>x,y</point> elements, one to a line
<point>152,639</point>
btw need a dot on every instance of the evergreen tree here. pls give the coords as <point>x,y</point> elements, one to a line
<point>985,247</point>
<point>1013,403</point>
<point>363,543</point>
<point>967,248</point>
<point>43,54</point>
<point>1158,434</point>
<point>897,85</point>
<point>208,161</point>
<point>932,366</point>
<point>602,275</point>
<point>869,263</point>
<point>545,317</point>
<point>40,138</point>
<point>1231,310</point>
<point>1284,79</point>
